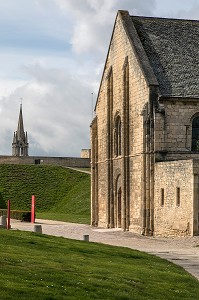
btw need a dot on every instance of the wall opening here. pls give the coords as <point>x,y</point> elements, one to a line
<point>162,197</point>
<point>119,208</point>
<point>178,196</point>
<point>118,136</point>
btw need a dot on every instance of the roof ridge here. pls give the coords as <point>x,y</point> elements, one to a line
<point>138,48</point>
<point>165,18</point>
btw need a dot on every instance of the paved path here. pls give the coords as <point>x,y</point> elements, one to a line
<point>79,170</point>
<point>181,251</point>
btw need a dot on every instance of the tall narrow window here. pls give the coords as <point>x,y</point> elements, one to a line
<point>118,136</point>
<point>178,196</point>
<point>195,134</point>
<point>162,197</point>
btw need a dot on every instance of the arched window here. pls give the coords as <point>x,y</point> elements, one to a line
<point>195,134</point>
<point>118,136</point>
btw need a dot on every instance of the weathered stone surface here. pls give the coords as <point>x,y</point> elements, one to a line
<point>171,218</point>
<point>155,136</point>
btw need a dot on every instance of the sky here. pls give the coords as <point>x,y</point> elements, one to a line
<point>52,54</point>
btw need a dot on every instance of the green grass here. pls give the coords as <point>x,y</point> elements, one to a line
<point>61,194</point>
<point>70,217</point>
<point>45,267</point>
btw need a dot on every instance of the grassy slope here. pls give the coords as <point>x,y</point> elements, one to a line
<point>61,193</point>
<point>45,267</point>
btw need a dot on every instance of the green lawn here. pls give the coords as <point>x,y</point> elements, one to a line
<point>71,217</point>
<point>61,194</point>
<point>45,267</point>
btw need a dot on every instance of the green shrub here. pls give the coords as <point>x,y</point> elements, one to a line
<point>17,214</point>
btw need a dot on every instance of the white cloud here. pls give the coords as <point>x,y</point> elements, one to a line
<point>56,112</point>
<point>178,9</point>
<point>192,13</point>
<point>93,21</point>
<point>52,54</point>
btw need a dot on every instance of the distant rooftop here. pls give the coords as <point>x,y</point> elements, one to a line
<point>172,47</point>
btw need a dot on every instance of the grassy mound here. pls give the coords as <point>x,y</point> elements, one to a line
<point>45,267</point>
<point>61,193</point>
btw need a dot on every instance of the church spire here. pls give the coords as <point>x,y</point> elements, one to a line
<point>20,139</point>
<point>20,128</point>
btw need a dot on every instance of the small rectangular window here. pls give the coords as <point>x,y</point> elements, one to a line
<point>178,196</point>
<point>37,161</point>
<point>162,197</point>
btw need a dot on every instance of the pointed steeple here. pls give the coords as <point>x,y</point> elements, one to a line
<point>20,128</point>
<point>20,139</point>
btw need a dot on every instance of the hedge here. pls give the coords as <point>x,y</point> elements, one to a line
<point>22,215</point>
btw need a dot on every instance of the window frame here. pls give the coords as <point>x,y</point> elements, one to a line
<point>195,132</point>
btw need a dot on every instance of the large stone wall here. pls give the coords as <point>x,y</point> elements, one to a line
<point>120,49</point>
<point>57,161</point>
<point>179,116</point>
<point>173,129</point>
<point>172,218</point>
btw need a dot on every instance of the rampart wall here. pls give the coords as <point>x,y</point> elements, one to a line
<point>74,162</point>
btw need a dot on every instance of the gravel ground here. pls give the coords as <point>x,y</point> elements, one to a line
<point>181,251</point>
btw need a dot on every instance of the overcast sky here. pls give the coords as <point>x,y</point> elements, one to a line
<point>52,54</point>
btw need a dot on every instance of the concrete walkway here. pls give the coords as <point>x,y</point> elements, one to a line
<point>79,170</point>
<point>181,251</point>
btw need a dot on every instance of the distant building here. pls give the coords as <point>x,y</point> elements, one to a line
<point>20,140</point>
<point>86,153</point>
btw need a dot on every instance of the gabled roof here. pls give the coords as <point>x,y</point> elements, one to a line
<point>167,51</point>
<point>172,47</point>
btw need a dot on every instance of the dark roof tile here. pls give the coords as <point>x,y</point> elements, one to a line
<point>172,47</point>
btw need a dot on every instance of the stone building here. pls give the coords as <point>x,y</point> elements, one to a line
<point>85,153</point>
<point>145,136</point>
<point>20,139</point>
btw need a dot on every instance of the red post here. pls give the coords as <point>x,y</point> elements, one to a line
<point>8,215</point>
<point>33,210</point>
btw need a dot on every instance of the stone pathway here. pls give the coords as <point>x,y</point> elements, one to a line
<point>181,251</point>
